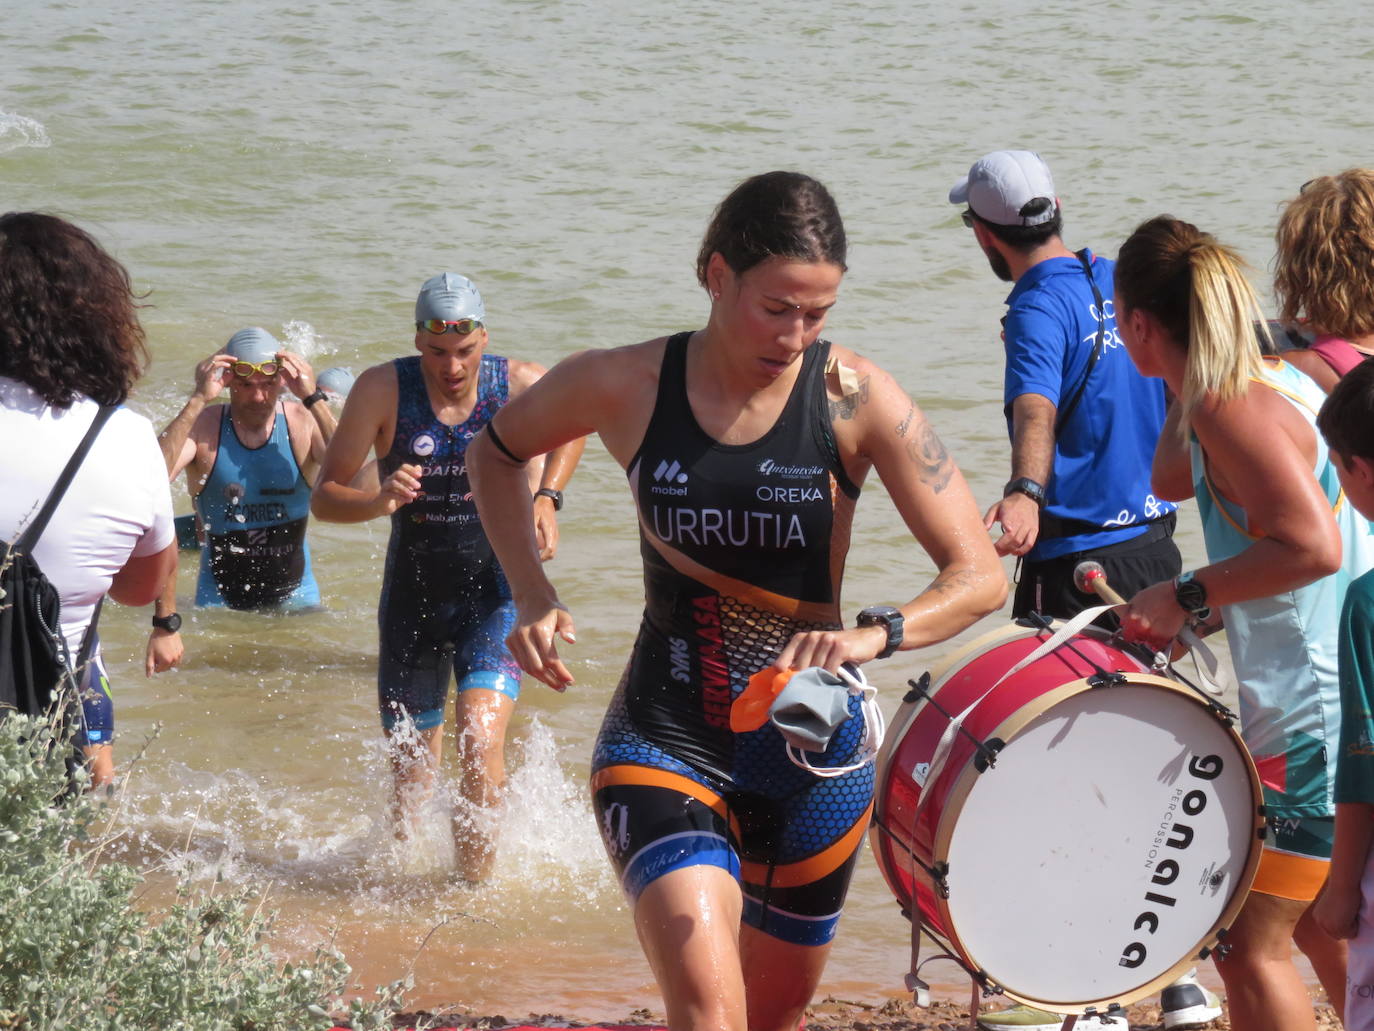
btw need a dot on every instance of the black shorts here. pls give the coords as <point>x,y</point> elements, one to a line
<point>1047,587</point>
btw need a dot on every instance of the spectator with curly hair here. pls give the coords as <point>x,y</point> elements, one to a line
<point>70,343</point>
<point>1325,274</point>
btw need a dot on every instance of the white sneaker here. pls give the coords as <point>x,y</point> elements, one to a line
<point>1187,1004</point>
<point>1028,1018</point>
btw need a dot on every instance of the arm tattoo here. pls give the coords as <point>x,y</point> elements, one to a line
<point>905,424</point>
<point>847,406</point>
<point>952,582</point>
<point>928,453</point>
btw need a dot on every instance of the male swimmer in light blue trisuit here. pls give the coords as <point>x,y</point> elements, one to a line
<point>249,466</point>
<point>445,608</point>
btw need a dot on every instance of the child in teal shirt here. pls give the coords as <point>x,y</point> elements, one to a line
<point>1346,906</point>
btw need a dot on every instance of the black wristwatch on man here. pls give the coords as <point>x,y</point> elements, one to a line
<point>1025,485</point>
<point>888,617</point>
<point>556,496</point>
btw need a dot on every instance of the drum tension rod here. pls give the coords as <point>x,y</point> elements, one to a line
<point>987,750</point>
<point>936,873</point>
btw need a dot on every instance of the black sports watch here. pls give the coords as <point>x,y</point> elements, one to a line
<point>885,616</point>
<point>1025,485</point>
<point>556,496</point>
<point>170,622</point>
<point>318,395</point>
<point>1190,594</point>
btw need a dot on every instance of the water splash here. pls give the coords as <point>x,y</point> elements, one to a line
<point>16,131</point>
<point>250,827</point>
<point>300,336</point>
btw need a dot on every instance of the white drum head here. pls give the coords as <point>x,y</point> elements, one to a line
<point>1103,848</point>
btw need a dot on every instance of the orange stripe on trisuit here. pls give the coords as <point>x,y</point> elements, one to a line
<point>646,776</point>
<point>807,871</point>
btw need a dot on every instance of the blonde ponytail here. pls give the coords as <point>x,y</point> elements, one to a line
<point>1197,290</point>
<point>1223,353</point>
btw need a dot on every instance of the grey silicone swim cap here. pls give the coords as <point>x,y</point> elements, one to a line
<point>450,297</point>
<point>337,381</point>
<point>810,708</point>
<point>253,345</point>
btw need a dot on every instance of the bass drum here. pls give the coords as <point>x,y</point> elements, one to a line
<point>1107,846</point>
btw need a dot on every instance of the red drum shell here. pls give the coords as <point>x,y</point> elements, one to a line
<point>1027,899</point>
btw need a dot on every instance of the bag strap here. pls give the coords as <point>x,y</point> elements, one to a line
<point>35,529</point>
<point>1098,344</point>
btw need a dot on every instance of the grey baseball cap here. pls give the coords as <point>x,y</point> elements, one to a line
<point>253,344</point>
<point>1004,186</point>
<point>450,297</point>
<point>338,381</point>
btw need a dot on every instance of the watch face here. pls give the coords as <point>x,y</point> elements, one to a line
<point>170,623</point>
<point>1191,595</point>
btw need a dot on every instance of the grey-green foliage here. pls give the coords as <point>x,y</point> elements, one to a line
<point>76,953</point>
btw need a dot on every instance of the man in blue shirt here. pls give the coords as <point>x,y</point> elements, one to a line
<point>1083,424</point>
<point>1083,421</point>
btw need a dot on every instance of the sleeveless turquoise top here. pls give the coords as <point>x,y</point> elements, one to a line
<point>1285,648</point>
<point>255,504</point>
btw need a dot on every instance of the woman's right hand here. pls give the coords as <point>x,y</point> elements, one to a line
<point>534,645</point>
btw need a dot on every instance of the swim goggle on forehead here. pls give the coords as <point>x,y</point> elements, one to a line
<point>243,369</point>
<point>441,326</point>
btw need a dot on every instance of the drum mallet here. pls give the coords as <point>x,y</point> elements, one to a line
<point>1090,578</point>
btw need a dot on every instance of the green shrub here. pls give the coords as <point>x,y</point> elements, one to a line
<point>75,952</point>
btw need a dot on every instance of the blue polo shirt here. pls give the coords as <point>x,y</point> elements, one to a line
<point>1103,454</point>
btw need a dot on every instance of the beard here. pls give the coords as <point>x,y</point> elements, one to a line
<point>1000,268</point>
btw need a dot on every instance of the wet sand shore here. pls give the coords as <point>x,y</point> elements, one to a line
<point>829,1014</point>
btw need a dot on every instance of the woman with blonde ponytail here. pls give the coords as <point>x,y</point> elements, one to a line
<point>1282,544</point>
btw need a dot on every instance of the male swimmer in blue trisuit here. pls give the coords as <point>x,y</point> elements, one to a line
<point>248,468</point>
<point>446,607</point>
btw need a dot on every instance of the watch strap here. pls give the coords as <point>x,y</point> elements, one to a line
<point>556,496</point>
<point>891,619</point>
<point>1033,489</point>
<point>318,395</point>
<point>170,622</point>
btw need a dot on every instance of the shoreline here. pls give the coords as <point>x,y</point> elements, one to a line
<point>828,1014</point>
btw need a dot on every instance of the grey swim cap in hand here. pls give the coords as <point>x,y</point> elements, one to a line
<point>810,709</point>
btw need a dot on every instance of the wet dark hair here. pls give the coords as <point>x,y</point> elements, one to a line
<point>774,215</point>
<point>68,315</point>
<point>1026,238</point>
<point>1346,419</point>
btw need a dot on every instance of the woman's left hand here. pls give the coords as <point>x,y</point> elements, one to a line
<point>1153,617</point>
<point>829,648</point>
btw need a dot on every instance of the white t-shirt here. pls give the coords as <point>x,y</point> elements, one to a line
<point>119,505</point>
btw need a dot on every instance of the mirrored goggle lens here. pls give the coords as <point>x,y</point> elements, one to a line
<point>462,327</point>
<point>246,369</point>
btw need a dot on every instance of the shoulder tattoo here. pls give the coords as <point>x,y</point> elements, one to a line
<point>847,406</point>
<point>905,424</point>
<point>928,454</point>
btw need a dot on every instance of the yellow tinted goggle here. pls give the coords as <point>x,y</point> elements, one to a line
<point>441,326</point>
<point>244,369</point>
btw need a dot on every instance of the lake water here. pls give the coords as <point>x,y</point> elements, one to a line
<point>306,168</point>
